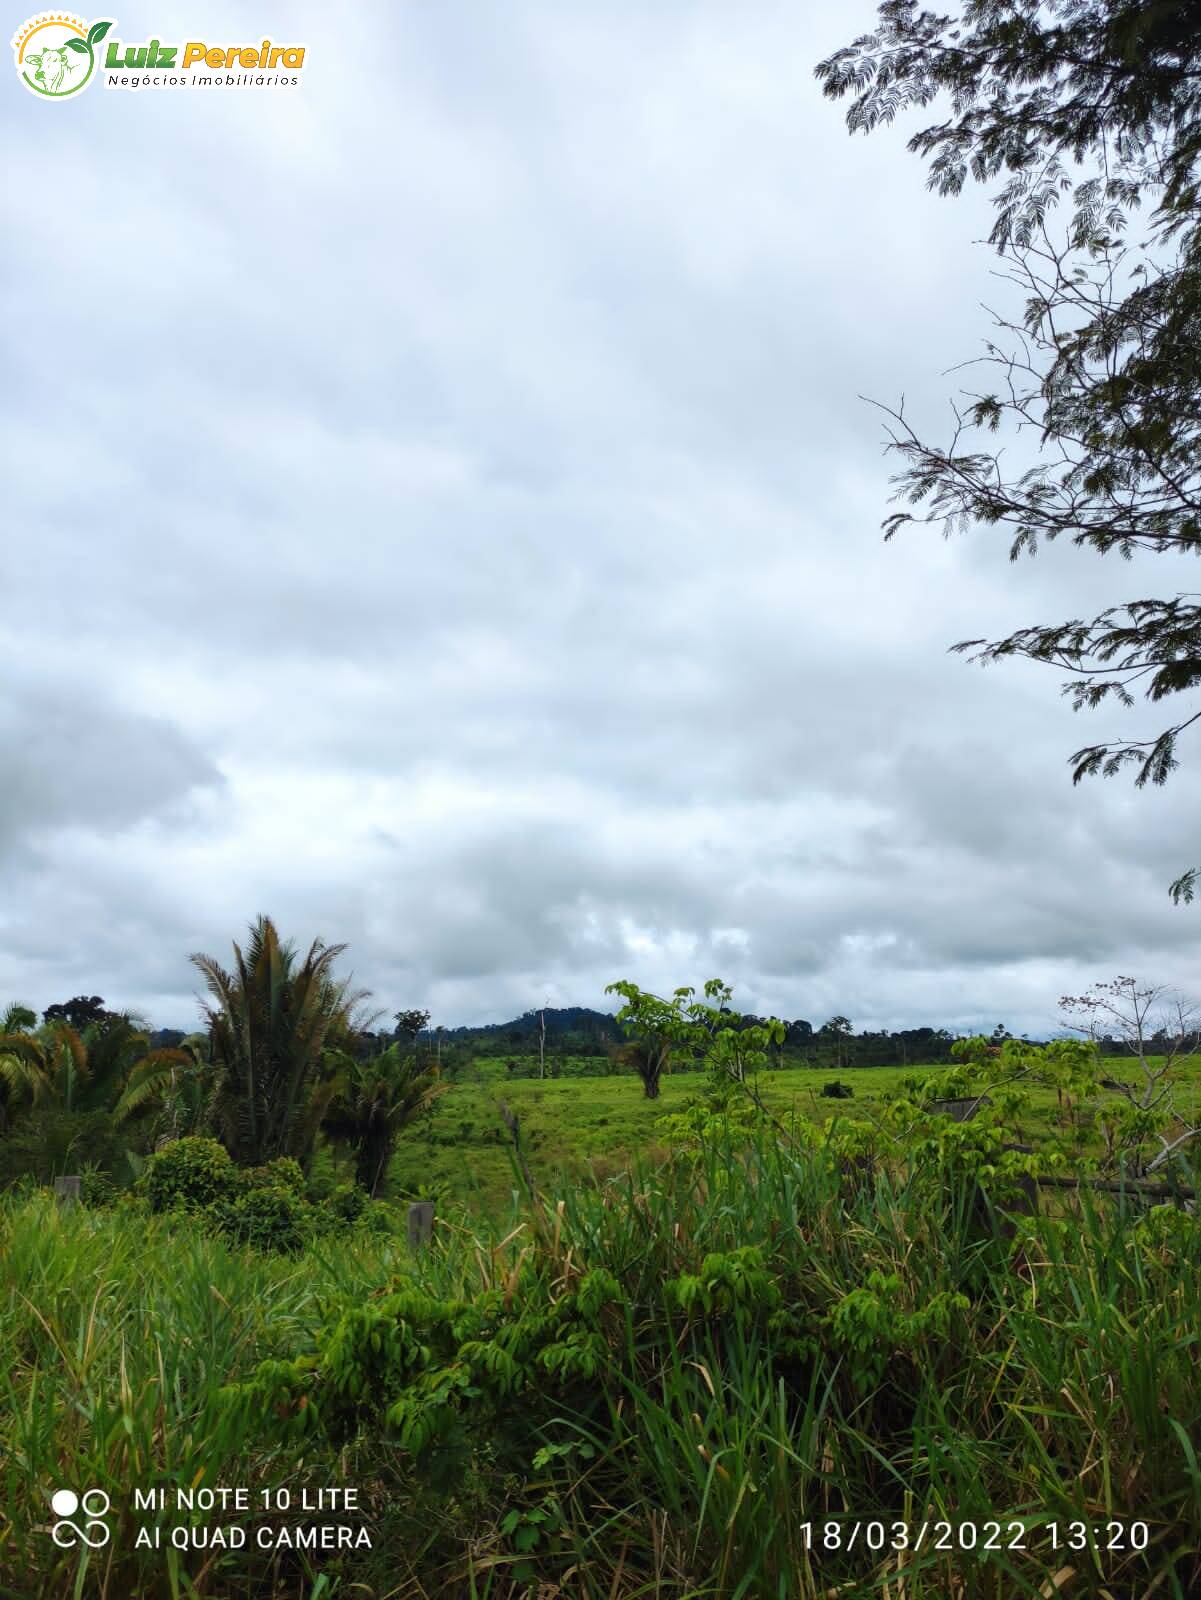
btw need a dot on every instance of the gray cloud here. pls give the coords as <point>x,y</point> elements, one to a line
<point>457,534</point>
<point>72,759</point>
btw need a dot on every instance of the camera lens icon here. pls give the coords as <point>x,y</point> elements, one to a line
<point>66,1532</point>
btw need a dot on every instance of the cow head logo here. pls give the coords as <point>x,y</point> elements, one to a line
<point>55,53</point>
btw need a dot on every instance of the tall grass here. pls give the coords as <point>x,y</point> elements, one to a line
<point>783,1344</point>
<point>118,1331</point>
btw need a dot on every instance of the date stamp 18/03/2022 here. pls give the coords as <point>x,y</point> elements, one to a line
<point>835,1536</point>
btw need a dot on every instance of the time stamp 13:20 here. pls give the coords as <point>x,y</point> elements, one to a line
<point>877,1534</point>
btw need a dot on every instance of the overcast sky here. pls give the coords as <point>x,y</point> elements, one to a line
<point>441,514</point>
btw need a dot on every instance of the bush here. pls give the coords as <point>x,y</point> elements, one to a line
<point>264,1206</point>
<point>97,1188</point>
<point>283,1172</point>
<point>192,1174</point>
<point>380,1218</point>
<point>627,1342</point>
<point>345,1204</point>
<point>269,1217</point>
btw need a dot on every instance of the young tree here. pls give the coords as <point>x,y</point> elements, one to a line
<point>706,1031</point>
<point>1101,374</point>
<point>1155,1028</point>
<point>652,1026</point>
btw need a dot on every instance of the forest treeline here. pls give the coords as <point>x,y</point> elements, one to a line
<point>591,1039</point>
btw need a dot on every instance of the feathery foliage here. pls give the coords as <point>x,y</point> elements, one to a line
<point>1101,374</point>
<point>271,1021</point>
<point>109,1067</point>
<point>375,1100</point>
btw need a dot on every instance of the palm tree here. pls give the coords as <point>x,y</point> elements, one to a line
<point>18,1019</point>
<point>273,1021</point>
<point>108,1068</point>
<point>178,1083</point>
<point>376,1099</point>
<point>22,1066</point>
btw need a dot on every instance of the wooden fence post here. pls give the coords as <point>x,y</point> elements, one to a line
<point>421,1223</point>
<point>66,1191</point>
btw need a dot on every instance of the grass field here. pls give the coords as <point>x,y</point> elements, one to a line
<point>686,1385</point>
<point>664,1379</point>
<point>574,1126</point>
<point>119,1333</point>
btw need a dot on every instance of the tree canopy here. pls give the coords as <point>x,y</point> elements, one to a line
<point>1097,102</point>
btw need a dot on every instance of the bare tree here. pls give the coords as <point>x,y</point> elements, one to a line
<point>1155,1027</point>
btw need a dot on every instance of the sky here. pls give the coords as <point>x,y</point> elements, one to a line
<point>442,514</point>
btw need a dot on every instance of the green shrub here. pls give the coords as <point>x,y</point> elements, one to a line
<point>746,1334</point>
<point>744,1342</point>
<point>97,1188</point>
<point>380,1218</point>
<point>262,1206</point>
<point>192,1174</point>
<point>346,1203</point>
<point>339,1209</point>
<point>269,1217</point>
<point>284,1172</point>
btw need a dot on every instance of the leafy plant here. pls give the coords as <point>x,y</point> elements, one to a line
<point>654,1383</point>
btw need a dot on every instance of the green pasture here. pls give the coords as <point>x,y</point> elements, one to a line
<point>576,1126</point>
